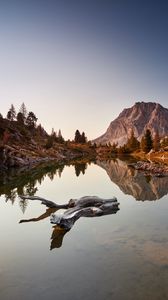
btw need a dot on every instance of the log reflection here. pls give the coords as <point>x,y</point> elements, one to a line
<point>88,206</point>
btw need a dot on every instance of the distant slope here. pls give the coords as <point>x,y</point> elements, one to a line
<point>138,118</point>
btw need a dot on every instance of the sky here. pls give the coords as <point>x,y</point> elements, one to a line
<point>78,64</point>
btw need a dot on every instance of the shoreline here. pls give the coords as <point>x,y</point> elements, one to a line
<point>17,156</point>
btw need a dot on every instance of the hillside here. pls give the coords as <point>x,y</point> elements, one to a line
<point>25,144</point>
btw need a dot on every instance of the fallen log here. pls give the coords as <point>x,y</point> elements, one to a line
<point>88,206</point>
<point>69,217</point>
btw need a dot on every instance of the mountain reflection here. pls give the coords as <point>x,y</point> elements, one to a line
<point>133,182</point>
<point>20,181</point>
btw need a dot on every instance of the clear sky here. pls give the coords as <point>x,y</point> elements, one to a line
<point>78,64</point>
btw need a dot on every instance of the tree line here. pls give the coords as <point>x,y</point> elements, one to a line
<point>23,117</point>
<point>28,119</point>
<point>146,144</point>
<point>55,137</point>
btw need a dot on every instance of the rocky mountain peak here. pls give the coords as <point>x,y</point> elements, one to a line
<point>141,116</point>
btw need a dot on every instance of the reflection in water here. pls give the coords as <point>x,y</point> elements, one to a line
<point>88,206</point>
<point>21,181</point>
<point>47,214</point>
<point>80,168</point>
<point>126,255</point>
<point>57,237</point>
<point>58,232</point>
<point>24,181</point>
<point>133,182</point>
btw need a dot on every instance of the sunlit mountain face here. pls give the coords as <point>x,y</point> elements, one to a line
<point>141,116</point>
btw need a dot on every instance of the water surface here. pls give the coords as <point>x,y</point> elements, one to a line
<point>120,256</point>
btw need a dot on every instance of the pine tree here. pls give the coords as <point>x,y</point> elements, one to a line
<point>77,136</point>
<point>50,142</point>
<point>132,143</point>
<point>11,115</point>
<point>83,139</point>
<point>114,148</point>
<point>31,119</point>
<point>80,138</point>
<point>156,141</point>
<point>20,118</point>
<point>54,135</point>
<point>142,143</point>
<point>23,111</point>
<point>60,137</point>
<point>146,141</point>
<point>40,130</point>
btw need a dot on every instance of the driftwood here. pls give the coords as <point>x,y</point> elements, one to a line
<point>88,206</point>
<point>46,202</point>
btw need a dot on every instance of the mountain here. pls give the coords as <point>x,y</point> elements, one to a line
<point>141,116</point>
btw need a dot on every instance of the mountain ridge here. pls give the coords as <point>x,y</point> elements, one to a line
<point>139,117</point>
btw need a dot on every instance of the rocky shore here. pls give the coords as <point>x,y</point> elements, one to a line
<point>16,156</point>
<point>151,168</point>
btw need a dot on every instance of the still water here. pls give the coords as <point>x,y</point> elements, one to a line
<point>119,256</point>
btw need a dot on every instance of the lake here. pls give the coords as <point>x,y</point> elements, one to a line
<point>118,256</point>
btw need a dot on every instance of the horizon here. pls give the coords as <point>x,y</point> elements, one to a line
<point>71,138</point>
<point>78,65</point>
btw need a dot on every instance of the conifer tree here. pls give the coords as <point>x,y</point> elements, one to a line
<point>77,136</point>
<point>146,141</point>
<point>9,115</point>
<point>156,141</point>
<point>31,119</point>
<point>13,112</point>
<point>60,137</point>
<point>53,134</point>
<point>114,148</point>
<point>20,118</point>
<point>132,143</point>
<point>83,139</point>
<point>80,138</point>
<point>23,111</point>
<point>142,143</point>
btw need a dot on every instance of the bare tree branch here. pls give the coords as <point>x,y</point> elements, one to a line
<point>46,202</point>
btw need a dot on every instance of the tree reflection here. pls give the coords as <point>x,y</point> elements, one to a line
<point>80,168</point>
<point>23,205</point>
<point>25,181</point>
